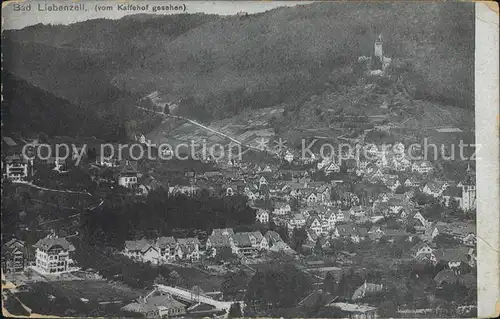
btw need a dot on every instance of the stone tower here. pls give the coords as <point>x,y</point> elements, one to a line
<point>378,50</point>
<point>468,191</point>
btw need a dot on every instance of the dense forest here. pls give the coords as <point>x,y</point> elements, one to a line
<point>279,56</point>
<point>120,219</point>
<point>29,110</point>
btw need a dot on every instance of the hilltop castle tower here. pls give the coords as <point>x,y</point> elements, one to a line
<point>378,50</point>
<point>469,191</point>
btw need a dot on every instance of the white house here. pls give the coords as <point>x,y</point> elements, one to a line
<point>52,255</point>
<point>332,168</point>
<point>422,167</point>
<point>315,225</point>
<point>168,248</point>
<point>262,216</point>
<point>189,248</point>
<point>143,250</point>
<point>311,197</point>
<point>288,156</point>
<point>128,174</point>
<point>434,188</point>
<point>282,208</point>
<point>422,251</point>
<point>16,167</point>
<point>297,220</point>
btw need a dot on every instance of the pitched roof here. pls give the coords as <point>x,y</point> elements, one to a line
<point>128,167</point>
<point>219,241</point>
<point>242,240</point>
<point>366,288</point>
<point>190,241</point>
<point>166,301</point>
<point>141,245</point>
<point>165,241</point>
<point>49,242</point>
<point>272,237</point>
<point>417,247</point>
<point>14,242</point>
<point>261,212</point>
<point>222,231</point>
<point>298,216</point>
<point>257,235</point>
<point>435,186</point>
<point>317,296</point>
<point>15,158</point>
<point>281,205</point>
<point>346,230</point>
<point>446,275</point>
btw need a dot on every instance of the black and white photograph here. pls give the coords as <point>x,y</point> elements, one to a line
<point>229,159</point>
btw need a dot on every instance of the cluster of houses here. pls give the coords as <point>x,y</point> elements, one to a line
<point>52,255</point>
<point>170,249</point>
<point>244,243</point>
<point>163,249</point>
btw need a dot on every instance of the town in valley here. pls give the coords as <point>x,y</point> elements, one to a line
<point>245,226</point>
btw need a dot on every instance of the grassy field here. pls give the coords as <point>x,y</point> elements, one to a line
<point>193,276</point>
<point>93,290</point>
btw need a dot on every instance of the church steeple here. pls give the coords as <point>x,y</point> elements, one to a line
<point>469,178</point>
<point>378,49</point>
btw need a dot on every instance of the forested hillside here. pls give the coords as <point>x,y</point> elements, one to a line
<point>29,110</point>
<point>221,65</point>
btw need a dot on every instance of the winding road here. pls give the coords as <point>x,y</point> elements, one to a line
<point>232,139</point>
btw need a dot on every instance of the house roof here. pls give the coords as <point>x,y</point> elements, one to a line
<point>219,241</point>
<point>15,158</point>
<point>257,235</point>
<point>141,245</point>
<point>261,212</point>
<point>435,186</point>
<point>374,229</point>
<point>281,246</point>
<point>128,167</point>
<point>366,288</point>
<point>298,216</point>
<point>242,240</point>
<point>417,247</point>
<point>188,241</point>
<point>346,230</point>
<point>139,307</point>
<point>272,237</point>
<point>166,301</point>
<point>446,275</point>
<point>165,241</point>
<point>14,243</point>
<point>49,242</point>
<point>317,296</point>
<point>221,231</point>
<point>281,205</point>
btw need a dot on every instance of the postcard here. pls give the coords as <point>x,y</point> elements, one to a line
<point>225,159</point>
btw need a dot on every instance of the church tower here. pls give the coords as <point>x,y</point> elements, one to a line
<point>468,191</point>
<point>378,50</point>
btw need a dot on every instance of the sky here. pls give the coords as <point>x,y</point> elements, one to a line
<point>12,19</point>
